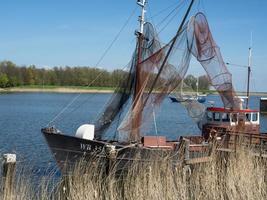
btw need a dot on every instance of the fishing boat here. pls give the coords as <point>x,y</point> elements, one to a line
<point>224,123</point>
<point>154,72</point>
<point>201,98</point>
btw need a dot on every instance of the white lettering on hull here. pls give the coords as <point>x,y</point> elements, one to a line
<point>89,147</point>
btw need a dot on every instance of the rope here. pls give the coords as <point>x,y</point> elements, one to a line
<point>98,62</point>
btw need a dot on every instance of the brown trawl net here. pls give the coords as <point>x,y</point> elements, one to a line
<point>160,72</point>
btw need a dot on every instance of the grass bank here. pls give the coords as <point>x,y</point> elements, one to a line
<point>59,89</point>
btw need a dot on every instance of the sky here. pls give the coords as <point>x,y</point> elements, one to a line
<point>50,33</point>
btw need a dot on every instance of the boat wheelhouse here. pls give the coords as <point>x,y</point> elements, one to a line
<point>224,120</point>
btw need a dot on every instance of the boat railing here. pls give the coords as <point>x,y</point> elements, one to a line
<point>232,140</point>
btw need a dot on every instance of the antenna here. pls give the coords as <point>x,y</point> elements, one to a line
<point>250,50</point>
<point>142,4</point>
<point>249,68</point>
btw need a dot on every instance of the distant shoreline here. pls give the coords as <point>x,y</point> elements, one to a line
<point>263,94</point>
<point>77,89</point>
<point>56,90</point>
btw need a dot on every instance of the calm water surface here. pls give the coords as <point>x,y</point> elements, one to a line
<point>22,115</point>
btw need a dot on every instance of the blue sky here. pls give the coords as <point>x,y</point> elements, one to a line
<point>77,32</point>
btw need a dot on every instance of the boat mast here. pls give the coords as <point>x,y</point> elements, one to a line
<point>249,69</point>
<point>142,4</point>
<point>135,134</point>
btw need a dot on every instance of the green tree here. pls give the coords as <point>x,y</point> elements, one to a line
<point>29,77</point>
<point>63,76</point>
<point>203,82</point>
<point>3,80</point>
<point>191,81</point>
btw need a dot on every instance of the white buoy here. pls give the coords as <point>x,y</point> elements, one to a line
<point>86,131</point>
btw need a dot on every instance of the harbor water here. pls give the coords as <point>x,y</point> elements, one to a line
<point>22,115</point>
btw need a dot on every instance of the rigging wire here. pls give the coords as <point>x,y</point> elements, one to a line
<point>162,11</point>
<point>116,37</point>
<point>98,62</point>
<point>172,11</point>
<point>237,65</point>
<point>175,11</point>
<point>226,63</point>
<point>165,18</point>
<point>241,66</point>
<point>89,98</point>
<point>169,15</point>
<point>253,84</point>
<point>76,97</point>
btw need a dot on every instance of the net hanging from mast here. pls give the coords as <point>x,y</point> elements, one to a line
<point>159,77</point>
<point>208,54</point>
<point>124,92</point>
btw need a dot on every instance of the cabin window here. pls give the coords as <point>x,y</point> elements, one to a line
<point>209,116</point>
<point>248,117</point>
<point>255,117</point>
<point>234,118</point>
<point>225,117</point>
<point>216,116</point>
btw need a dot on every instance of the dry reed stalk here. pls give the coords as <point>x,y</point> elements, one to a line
<point>237,175</point>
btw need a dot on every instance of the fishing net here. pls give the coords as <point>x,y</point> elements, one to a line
<point>124,92</point>
<point>190,100</point>
<point>158,80</point>
<point>160,71</point>
<point>208,54</point>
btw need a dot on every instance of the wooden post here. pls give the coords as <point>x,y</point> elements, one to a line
<point>186,168</point>
<point>111,158</point>
<point>187,151</point>
<point>236,142</point>
<point>9,167</point>
<point>261,142</point>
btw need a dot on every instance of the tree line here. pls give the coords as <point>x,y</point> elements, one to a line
<point>12,75</point>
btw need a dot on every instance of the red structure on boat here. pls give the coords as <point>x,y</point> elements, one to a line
<point>223,120</point>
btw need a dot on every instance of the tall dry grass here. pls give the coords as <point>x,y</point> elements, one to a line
<point>237,175</point>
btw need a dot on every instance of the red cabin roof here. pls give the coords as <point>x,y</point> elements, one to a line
<point>228,110</point>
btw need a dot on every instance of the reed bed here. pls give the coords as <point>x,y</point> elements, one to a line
<point>238,175</point>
